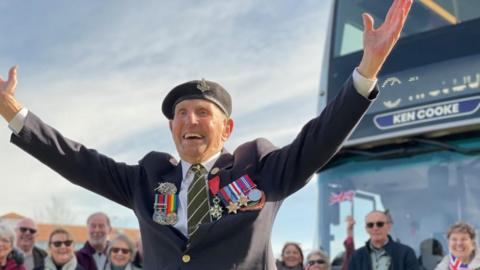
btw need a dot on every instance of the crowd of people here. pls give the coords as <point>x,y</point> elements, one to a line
<point>381,251</point>
<point>19,252</point>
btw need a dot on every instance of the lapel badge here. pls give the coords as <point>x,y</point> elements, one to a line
<point>166,188</point>
<point>215,170</point>
<point>203,86</point>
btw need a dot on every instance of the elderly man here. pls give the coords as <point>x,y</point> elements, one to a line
<point>213,209</point>
<point>26,231</point>
<point>92,256</point>
<point>381,252</point>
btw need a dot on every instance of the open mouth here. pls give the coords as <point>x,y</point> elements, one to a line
<point>192,136</point>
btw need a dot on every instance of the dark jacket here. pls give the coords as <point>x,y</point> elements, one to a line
<point>85,257</point>
<point>235,241</point>
<point>137,260</point>
<point>14,261</point>
<point>403,257</point>
<point>38,256</point>
<point>12,265</point>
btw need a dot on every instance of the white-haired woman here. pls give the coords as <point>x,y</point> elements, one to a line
<point>120,254</point>
<point>462,248</point>
<point>317,260</point>
<point>7,259</point>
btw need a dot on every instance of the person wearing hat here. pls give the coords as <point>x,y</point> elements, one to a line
<point>213,209</point>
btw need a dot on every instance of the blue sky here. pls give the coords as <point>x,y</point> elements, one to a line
<point>98,71</point>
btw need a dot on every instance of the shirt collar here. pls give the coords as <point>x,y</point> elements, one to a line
<point>206,164</point>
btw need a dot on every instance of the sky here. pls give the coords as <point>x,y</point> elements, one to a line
<point>99,70</point>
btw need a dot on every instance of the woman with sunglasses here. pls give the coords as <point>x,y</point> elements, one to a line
<point>292,257</point>
<point>120,254</point>
<point>462,248</point>
<point>9,258</point>
<point>317,260</point>
<point>61,252</point>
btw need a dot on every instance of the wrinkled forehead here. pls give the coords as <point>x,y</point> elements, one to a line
<point>376,216</point>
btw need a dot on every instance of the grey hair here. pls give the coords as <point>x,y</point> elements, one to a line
<point>99,214</point>
<point>320,253</point>
<point>122,238</point>
<point>7,233</point>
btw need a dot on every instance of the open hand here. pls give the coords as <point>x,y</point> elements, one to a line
<point>9,107</point>
<point>378,43</point>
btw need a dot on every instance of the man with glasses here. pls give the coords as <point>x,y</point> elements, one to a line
<point>93,255</point>
<point>26,231</point>
<point>380,251</point>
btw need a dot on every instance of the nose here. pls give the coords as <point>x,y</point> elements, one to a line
<point>191,118</point>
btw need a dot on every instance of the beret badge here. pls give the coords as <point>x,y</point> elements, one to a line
<point>203,86</point>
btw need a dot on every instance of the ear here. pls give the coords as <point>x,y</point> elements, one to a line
<point>227,129</point>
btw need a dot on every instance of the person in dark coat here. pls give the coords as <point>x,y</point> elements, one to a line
<point>380,251</point>
<point>213,209</point>
<point>26,230</point>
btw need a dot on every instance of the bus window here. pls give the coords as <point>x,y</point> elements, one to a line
<point>425,15</point>
<point>424,195</point>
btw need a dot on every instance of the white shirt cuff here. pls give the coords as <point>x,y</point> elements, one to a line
<point>18,121</point>
<point>363,85</point>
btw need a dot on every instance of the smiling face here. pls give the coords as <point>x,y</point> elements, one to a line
<point>61,248</point>
<point>316,262</point>
<point>5,247</point>
<point>98,229</point>
<point>120,253</point>
<point>461,245</point>
<point>291,256</point>
<point>26,232</point>
<point>199,129</point>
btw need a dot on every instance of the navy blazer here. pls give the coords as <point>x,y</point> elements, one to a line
<point>235,241</point>
<point>402,257</point>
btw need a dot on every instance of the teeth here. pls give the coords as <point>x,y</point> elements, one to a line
<point>192,136</point>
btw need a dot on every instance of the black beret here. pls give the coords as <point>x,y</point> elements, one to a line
<point>203,89</point>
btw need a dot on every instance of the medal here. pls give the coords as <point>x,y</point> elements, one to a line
<point>216,211</point>
<point>159,217</point>
<point>165,205</point>
<point>254,195</point>
<point>232,207</point>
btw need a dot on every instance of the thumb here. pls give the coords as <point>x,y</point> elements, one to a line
<point>367,22</point>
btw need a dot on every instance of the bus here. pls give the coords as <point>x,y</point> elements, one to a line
<point>416,152</point>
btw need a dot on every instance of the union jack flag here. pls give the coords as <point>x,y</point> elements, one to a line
<point>457,264</point>
<point>341,197</point>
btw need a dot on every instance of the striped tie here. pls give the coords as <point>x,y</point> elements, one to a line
<point>197,209</point>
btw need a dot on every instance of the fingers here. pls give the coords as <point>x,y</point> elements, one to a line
<point>12,79</point>
<point>392,11</point>
<point>406,8</point>
<point>367,22</point>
